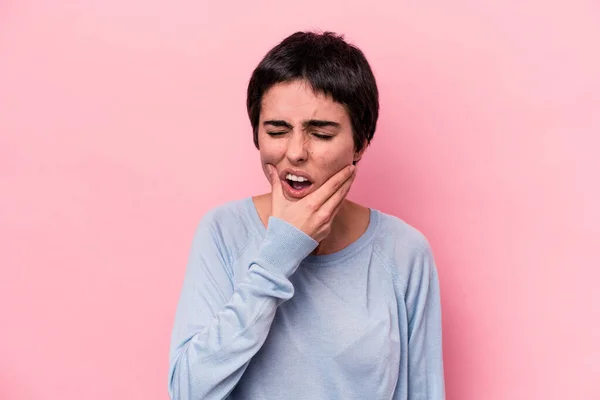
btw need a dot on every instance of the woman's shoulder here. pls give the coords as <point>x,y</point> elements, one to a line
<point>231,224</point>
<point>394,231</point>
<point>400,245</point>
<point>230,212</point>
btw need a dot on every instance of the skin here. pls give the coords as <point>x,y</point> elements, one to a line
<point>325,153</point>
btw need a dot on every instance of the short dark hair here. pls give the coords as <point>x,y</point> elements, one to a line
<point>331,66</point>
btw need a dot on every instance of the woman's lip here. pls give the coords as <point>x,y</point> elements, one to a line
<point>295,193</point>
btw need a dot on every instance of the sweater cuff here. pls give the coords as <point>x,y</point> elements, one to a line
<point>284,247</point>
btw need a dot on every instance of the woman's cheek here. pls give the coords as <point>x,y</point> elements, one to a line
<point>332,163</point>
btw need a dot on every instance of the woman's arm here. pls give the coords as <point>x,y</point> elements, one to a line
<point>425,358</point>
<point>218,326</point>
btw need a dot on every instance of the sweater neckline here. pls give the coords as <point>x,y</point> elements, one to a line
<point>330,258</point>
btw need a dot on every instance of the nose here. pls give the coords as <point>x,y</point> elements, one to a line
<point>297,151</point>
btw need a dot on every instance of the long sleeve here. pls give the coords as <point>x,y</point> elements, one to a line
<point>220,325</point>
<point>425,358</point>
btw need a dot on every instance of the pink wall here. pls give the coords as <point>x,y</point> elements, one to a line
<point>122,122</point>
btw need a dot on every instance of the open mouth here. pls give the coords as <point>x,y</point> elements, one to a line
<point>298,183</point>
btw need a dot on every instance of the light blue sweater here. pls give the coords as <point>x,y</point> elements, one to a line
<point>260,318</point>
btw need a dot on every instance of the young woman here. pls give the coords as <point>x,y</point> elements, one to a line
<point>300,293</point>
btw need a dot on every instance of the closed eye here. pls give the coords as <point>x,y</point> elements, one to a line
<point>317,135</point>
<point>323,137</point>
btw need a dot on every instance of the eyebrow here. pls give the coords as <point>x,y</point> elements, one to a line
<point>311,123</point>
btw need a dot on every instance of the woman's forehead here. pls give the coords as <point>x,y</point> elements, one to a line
<point>298,101</point>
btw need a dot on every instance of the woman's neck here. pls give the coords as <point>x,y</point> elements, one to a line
<point>351,221</point>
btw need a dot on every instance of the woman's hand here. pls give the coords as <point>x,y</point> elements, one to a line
<point>314,213</point>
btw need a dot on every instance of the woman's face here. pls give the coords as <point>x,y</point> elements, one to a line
<point>307,137</point>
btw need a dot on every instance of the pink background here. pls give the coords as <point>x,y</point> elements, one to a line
<point>122,122</point>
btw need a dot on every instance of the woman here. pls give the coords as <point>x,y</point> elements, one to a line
<point>300,293</point>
